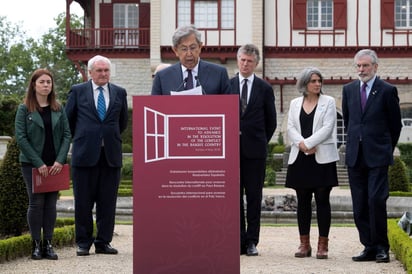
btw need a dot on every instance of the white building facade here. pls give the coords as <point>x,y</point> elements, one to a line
<point>291,35</point>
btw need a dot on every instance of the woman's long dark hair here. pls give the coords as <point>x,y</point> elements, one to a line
<point>30,99</point>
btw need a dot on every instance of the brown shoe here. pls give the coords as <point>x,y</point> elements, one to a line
<point>322,248</point>
<point>305,250</point>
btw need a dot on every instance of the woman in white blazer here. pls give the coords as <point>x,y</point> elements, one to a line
<point>312,160</point>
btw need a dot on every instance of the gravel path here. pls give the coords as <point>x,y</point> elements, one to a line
<point>276,250</point>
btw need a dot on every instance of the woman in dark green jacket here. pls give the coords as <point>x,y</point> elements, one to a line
<point>43,135</point>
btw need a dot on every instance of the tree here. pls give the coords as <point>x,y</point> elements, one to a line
<point>13,195</point>
<point>50,53</point>
<point>21,55</point>
<point>15,59</point>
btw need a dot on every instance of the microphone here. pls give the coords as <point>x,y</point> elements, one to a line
<point>198,84</point>
<point>182,85</point>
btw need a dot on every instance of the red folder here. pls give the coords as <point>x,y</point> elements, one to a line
<point>51,183</point>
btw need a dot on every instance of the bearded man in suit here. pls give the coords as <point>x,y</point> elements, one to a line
<point>372,122</point>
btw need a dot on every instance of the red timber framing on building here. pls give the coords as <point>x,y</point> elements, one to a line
<point>82,44</point>
<point>298,24</point>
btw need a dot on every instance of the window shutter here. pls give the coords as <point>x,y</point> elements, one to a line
<point>387,14</point>
<point>339,14</point>
<point>299,14</point>
<point>144,15</point>
<point>106,16</point>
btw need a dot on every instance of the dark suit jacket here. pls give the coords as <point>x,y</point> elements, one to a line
<point>378,127</point>
<point>87,129</point>
<point>258,122</point>
<point>213,79</point>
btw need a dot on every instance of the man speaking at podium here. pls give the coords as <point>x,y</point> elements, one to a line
<point>190,72</point>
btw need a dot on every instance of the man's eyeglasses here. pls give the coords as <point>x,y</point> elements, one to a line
<point>365,66</point>
<point>191,48</point>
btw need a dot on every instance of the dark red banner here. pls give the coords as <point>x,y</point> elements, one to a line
<point>186,184</point>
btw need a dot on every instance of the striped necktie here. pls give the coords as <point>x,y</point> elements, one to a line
<point>101,104</point>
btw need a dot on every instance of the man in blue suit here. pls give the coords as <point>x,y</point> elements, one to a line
<point>190,71</point>
<point>257,125</point>
<point>96,154</point>
<point>373,125</point>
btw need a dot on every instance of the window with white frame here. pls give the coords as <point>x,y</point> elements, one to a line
<point>207,14</point>
<point>319,14</point>
<point>126,17</point>
<point>403,13</point>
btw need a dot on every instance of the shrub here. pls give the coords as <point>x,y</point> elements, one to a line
<point>406,156</point>
<point>13,195</point>
<point>279,149</point>
<point>19,246</point>
<point>270,179</point>
<point>401,244</point>
<point>8,107</point>
<point>127,169</point>
<point>398,178</point>
<point>127,148</point>
<point>406,153</point>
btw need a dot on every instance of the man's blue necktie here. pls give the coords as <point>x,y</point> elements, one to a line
<point>101,104</point>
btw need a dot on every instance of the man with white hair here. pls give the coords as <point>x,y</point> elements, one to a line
<point>97,114</point>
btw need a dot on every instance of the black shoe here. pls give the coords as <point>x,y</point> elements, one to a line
<point>48,251</point>
<point>382,256</point>
<point>36,253</point>
<point>365,256</point>
<point>105,249</point>
<point>251,250</point>
<point>81,251</point>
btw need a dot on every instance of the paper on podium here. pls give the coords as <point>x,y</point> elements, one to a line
<point>193,91</point>
<point>51,183</point>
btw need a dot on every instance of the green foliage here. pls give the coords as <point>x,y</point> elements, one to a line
<point>280,139</point>
<point>16,60</point>
<point>127,148</point>
<point>21,55</point>
<point>50,53</point>
<point>398,178</point>
<point>406,153</point>
<point>8,106</point>
<point>400,194</point>
<point>270,178</point>
<point>401,244</point>
<point>127,169</point>
<point>279,149</point>
<point>406,156</point>
<point>15,247</point>
<point>13,195</point>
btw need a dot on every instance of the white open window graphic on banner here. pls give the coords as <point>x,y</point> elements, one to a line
<point>183,136</point>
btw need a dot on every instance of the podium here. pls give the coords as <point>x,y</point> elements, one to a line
<point>186,184</point>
